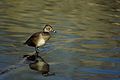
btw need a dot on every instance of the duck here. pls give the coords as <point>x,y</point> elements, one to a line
<point>39,39</point>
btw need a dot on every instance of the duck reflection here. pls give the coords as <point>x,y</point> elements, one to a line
<point>38,64</point>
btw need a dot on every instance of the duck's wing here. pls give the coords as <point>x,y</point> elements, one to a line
<point>35,35</point>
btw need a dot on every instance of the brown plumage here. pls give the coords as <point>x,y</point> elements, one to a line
<point>40,38</point>
<point>36,37</point>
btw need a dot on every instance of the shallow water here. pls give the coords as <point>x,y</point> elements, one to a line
<point>85,47</point>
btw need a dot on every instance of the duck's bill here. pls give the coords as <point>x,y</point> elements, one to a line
<point>54,31</point>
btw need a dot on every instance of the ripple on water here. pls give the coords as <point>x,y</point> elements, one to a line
<point>85,47</point>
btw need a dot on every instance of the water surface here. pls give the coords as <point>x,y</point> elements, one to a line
<point>85,47</point>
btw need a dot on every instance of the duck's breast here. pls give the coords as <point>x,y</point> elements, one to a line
<point>41,42</point>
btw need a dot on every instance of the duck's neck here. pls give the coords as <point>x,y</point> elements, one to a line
<point>46,35</point>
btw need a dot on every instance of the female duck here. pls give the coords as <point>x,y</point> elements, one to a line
<point>40,38</point>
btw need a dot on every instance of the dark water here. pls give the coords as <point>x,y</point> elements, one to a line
<point>85,47</point>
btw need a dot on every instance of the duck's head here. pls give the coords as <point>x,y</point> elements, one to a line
<point>48,28</point>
